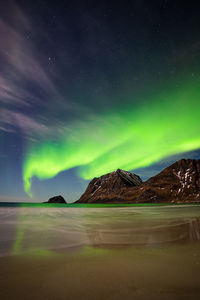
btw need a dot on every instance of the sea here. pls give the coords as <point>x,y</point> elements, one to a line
<point>58,251</point>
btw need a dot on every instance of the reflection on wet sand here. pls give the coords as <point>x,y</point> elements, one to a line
<point>55,229</point>
<point>101,254</point>
<point>172,232</point>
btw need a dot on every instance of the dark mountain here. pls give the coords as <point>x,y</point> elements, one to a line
<point>56,199</point>
<point>109,187</point>
<point>178,183</point>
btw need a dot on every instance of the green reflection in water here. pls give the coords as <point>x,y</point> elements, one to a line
<point>17,247</point>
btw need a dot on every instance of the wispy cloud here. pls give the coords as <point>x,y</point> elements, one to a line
<point>25,79</point>
<point>20,62</point>
<point>6,129</point>
<point>33,128</point>
<point>25,123</point>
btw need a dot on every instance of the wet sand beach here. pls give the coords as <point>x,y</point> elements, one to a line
<point>122,253</point>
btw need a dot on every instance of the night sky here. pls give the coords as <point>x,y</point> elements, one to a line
<point>87,87</point>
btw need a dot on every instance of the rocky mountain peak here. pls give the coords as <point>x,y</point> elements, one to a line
<point>129,178</point>
<point>179,182</point>
<point>111,184</point>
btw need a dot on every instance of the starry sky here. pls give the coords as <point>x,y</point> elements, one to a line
<point>88,87</point>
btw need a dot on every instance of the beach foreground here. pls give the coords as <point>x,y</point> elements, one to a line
<point>130,253</point>
<point>156,273</point>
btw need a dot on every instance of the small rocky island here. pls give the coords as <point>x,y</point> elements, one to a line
<point>56,199</point>
<point>178,183</point>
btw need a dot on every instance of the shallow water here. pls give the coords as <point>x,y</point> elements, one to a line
<point>100,253</point>
<point>24,230</point>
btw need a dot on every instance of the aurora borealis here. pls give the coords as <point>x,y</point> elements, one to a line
<point>86,90</point>
<point>127,139</point>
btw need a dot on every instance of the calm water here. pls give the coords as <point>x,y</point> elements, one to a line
<point>43,229</point>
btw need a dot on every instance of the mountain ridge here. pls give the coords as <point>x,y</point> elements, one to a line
<point>180,182</point>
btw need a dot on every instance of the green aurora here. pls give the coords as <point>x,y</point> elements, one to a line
<point>130,137</point>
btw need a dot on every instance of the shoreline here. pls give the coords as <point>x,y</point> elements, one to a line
<point>93,205</point>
